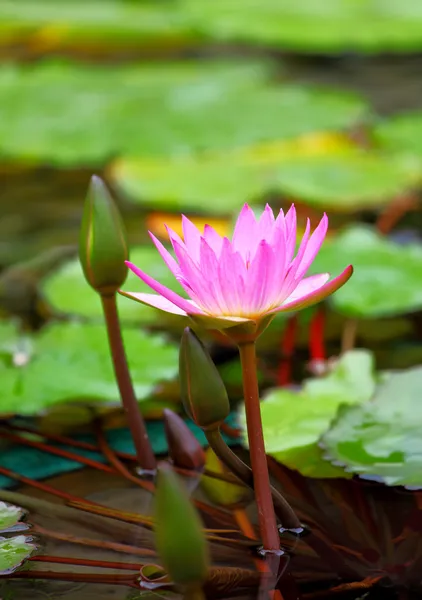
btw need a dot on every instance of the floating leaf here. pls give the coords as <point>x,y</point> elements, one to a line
<point>10,516</point>
<point>386,279</point>
<point>401,134</point>
<point>342,178</point>
<point>332,26</point>
<point>347,181</point>
<point>381,439</point>
<point>293,422</point>
<point>67,290</point>
<point>88,21</point>
<point>13,552</point>
<point>72,362</point>
<point>62,113</point>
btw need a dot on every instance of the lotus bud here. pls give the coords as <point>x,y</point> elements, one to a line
<point>102,243</point>
<point>179,535</point>
<point>204,395</point>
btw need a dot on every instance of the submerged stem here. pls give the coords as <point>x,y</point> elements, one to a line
<point>283,509</point>
<point>261,479</point>
<point>144,453</point>
<point>193,593</point>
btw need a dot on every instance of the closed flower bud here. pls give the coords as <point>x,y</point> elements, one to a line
<point>179,535</point>
<point>204,395</point>
<point>102,243</point>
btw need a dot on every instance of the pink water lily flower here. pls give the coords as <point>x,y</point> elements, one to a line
<point>247,279</point>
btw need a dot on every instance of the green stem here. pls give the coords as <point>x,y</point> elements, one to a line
<point>283,509</point>
<point>144,453</point>
<point>261,478</point>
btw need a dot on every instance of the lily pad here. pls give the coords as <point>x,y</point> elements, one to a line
<point>13,552</point>
<point>340,178</point>
<point>381,439</point>
<point>347,181</point>
<point>293,422</point>
<point>386,278</point>
<point>92,21</point>
<point>10,516</point>
<point>64,114</point>
<point>67,291</point>
<point>309,25</point>
<point>71,362</point>
<point>401,134</point>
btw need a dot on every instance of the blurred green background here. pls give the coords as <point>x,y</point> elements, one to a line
<point>197,106</point>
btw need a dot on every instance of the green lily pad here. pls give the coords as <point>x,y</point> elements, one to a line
<point>401,134</point>
<point>381,439</point>
<point>64,114</point>
<point>13,552</point>
<point>293,422</point>
<point>345,180</point>
<point>10,516</point>
<point>91,21</point>
<point>67,291</point>
<point>71,362</point>
<point>386,278</point>
<point>309,25</point>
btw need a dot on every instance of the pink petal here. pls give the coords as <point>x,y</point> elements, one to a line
<point>260,279</point>
<point>317,294</point>
<point>161,289</point>
<point>166,256</point>
<point>312,247</point>
<point>289,283</point>
<point>308,285</point>
<point>265,224</point>
<point>192,238</point>
<point>213,239</point>
<point>155,301</point>
<point>290,221</point>
<point>231,272</point>
<point>199,284</point>
<point>244,234</point>
<point>174,239</point>
<point>209,269</point>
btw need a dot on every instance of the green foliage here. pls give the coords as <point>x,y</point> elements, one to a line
<point>331,26</point>
<point>401,134</point>
<point>71,362</point>
<point>10,516</point>
<point>67,291</point>
<point>79,21</point>
<point>13,552</point>
<point>342,180</point>
<point>293,422</point>
<point>386,278</point>
<point>68,114</point>
<point>381,439</point>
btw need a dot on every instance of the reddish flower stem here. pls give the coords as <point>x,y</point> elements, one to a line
<point>42,486</point>
<point>266,515</point>
<point>89,462</point>
<point>316,336</point>
<point>104,544</point>
<point>85,562</point>
<point>144,452</point>
<point>106,579</point>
